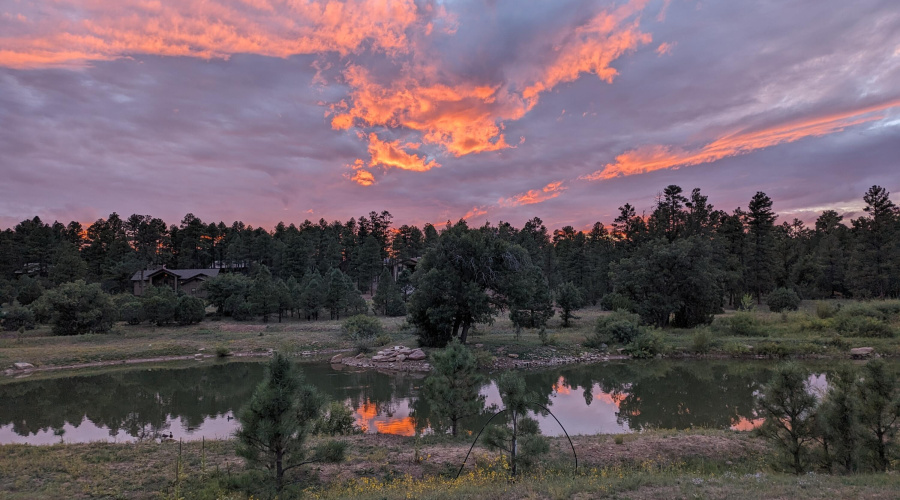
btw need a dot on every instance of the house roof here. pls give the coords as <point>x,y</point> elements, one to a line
<point>183,274</point>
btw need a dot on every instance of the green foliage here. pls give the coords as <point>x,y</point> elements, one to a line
<point>312,299</point>
<point>130,308</point>
<point>838,422</point>
<point>747,304</point>
<point>788,407</point>
<point>387,299</point>
<point>15,317</point>
<point>647,345</point>
<point>160,305</point>
<point>618,327</point>
<point>68,265</point>
<point>742,324</point>
<point>189,310</point>
<point>78,307</point>
<point>453,386</point>
<point>278,419</point>
<point>879,394</point>
<point>264,296</point>
<point>362,330</point>
<point>228,292</point>
<point>28,290</point>
<point>569,299</point>
<point>783,299</point>
<point>520,438</point>
<point>825,310</point>
<point>675,282</point>
<point>617,302</point>
<point>529,298</point>
<point>337,420</point>
<point>702,341</point>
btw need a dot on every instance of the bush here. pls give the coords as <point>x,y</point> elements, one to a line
<point>620,327</point>
<point>772,349</point>
<point>130,308</point>
<point>160,305</point>
<point>736,349</point>
<point>362,330</point>
<point>825,310</point>
<point>864,326</point>
<point>189,310</point>
<point>337,420</point>
<point>702,341</point>
<point>616,302</point>
<point>16,317</point>
<point>78,307</point>
<point>646,345</point>
<point>223,352</point>
<point>783,299</point>
<point>743,324</point>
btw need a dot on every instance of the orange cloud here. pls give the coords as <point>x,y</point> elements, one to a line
<point>71,32</point>
<point>474,212</point>
<point>392,154</point>
<point>658,157</point>
<point>363,178</point>
<point>665,48</point>
<point>591,48</point>
<point>533,196</point>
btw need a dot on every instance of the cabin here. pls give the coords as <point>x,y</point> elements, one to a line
<point>184,280</point>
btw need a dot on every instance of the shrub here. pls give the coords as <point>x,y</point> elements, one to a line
<point>773,349</point>
<point>702,341</point>
<point>337,420</point>
<point>747,303</point>
<point>189,310</point>
<point>16,317</point>
<point>384,339</point>
<point>783,299</point>
<point>825,310</point>
<point>620,326</point>
<point>870,327</point>
<point>616,302</point>
<point>362,330</point>
<point>160,305</point>
<point>743,324</point>
<point>78,307</point>
<point>223,352</point>
<point>646,345</point>
<point>130,308</point>
<point>736,349</point>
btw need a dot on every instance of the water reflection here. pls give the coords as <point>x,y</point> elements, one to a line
<point>200,401</point>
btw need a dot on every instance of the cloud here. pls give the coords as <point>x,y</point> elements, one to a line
<point>665,48</point>
<point>392,154</point>
<point>657,157</point>
<point>73,32</point>
<point>533,196</point>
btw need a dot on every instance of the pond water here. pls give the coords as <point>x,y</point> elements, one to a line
<point>201,400</point>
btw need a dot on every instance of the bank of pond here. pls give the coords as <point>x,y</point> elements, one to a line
<point>199,401</point>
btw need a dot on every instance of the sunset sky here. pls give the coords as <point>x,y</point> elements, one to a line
<point>285,110</point>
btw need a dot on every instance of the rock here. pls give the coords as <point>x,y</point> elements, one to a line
<point>360,356</point>
<point>337,358</point>
<point>862,352</point>
<point>417,355</point>
<point>202,349</point>
<point>400,358</point>
<point>378,358</point>
<point>620,350</point>
<point>479,346</point>
<point>23,366</point>
<point>406,351</point>
<point>512,355</point>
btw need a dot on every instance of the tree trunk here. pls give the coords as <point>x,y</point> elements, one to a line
<point>514,443</point>
<point>453,426</point>
<point>465,333</point>
<point>279,470</point>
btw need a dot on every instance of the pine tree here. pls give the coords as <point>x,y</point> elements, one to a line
<point>313,297</point>
<point>788,408</point>
<point>761,257</point>
<point>879,393</point>
<point>388,299</point>
<point>520,438</point>
<point>568,298</point>
<point>454,384</point>
<point>874,264</point>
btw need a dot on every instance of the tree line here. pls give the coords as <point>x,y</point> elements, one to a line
<point>676,266</point>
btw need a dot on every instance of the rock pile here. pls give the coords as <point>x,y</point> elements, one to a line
<point>398,354</point>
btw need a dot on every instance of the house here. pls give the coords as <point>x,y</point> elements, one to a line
<point>185,280</point>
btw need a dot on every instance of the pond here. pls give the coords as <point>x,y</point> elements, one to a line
<point>201,400</point>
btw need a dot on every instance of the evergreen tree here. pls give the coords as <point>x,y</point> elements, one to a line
<point>312,300</point>
<point>874,265</point>
<point>879,394</point>
<point>279,418</point>
<point>264,295</point>
<point>336,294</point>
<point>788,408</point>
<point>568,298</point>
<point>838,419</point>
<point>454,384</point>
<point>761,255</point>
<point>387,299</point>
<point>520,439</point>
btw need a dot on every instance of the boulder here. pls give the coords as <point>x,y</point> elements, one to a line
<point>378,358</point>
<point>337,358</point>
<point>862,352</point>
<point>360,356</point>
<point>417,355</point>
<point>512,355</point>
<point>23,366</point>
<point>400,358</point>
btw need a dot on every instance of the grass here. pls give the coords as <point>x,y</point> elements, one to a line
<point>818,329</point>
<point>653,464</point>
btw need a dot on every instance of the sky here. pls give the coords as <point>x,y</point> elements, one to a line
<point>284,110</point>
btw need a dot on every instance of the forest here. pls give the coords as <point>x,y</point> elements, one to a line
<point>676,266</point>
